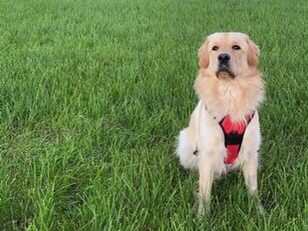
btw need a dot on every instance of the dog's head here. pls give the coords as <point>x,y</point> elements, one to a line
<point>228,54</point>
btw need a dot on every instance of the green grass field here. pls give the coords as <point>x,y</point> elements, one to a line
<point>93,94</point>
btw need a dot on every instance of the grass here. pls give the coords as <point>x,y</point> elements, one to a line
<point>93,93</point>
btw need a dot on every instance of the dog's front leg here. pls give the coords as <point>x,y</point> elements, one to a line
<point>206,175</point>
<point>250,169</point>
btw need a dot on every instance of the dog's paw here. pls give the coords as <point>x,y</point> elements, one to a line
<point>261,210</point>
<point>204,209</point>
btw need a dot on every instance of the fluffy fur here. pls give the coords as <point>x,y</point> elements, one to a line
<point>221,94</point>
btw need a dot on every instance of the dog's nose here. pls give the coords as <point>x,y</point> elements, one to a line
<point>224,58</point>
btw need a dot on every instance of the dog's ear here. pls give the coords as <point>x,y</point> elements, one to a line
<point>203,55</point>
<point>253,53</point>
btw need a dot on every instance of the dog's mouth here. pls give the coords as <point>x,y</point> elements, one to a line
<point>224,71</point>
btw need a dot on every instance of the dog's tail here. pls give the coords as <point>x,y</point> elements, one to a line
<point>185,150</point>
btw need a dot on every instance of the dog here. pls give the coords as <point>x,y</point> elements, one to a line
<point>224,131</point>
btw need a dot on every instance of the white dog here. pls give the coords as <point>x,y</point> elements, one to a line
<point>224,132</point>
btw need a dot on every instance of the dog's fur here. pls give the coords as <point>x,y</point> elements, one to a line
<point>235,92</point>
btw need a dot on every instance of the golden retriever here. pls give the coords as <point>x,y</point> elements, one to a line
<point>223,132</point>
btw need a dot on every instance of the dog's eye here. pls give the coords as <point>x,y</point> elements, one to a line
<point>236,47</point>
<point>215,48</point>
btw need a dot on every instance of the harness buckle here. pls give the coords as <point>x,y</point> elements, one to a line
<point>233,138</point>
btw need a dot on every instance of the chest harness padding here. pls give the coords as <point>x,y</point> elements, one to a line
<point>233,134</point>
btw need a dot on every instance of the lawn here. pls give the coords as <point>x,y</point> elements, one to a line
<point>93,94</point>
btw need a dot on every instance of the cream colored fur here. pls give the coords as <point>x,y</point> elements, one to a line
<point>220,96</point>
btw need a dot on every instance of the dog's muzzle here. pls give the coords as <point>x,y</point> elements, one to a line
<point>224,70</point>
<point>224,66</point>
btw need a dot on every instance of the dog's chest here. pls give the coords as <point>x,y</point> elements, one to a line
<point>233,136</point>
<point>229,100</point>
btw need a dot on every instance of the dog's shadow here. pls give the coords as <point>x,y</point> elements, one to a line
<point>231,189</point>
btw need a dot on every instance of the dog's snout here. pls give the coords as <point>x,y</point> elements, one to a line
<point>224,58</point>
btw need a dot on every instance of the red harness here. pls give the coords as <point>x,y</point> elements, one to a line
<point>233,133</point>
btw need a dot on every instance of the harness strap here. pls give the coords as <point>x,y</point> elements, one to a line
<point>233,134</point>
